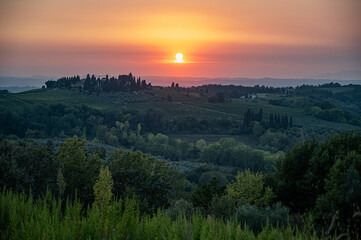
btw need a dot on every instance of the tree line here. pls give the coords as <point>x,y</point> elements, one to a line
<point>276,121</point>
<point>92,84</point>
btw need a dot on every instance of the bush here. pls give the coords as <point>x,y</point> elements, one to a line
<point>257,218</point>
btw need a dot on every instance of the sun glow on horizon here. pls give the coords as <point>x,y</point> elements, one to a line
<point>179,58</point>
<point>180,38</point>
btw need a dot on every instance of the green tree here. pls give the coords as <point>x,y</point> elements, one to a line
<point>60,182</point>
<point>249,189</point>
<point>290,187</point>
<point>201,144</point>
<point>103,189</point>
<point>153,181</point>
<point>343,190</point>
<point>202,197</point>
<point>78,173</point>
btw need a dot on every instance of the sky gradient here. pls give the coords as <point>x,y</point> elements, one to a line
<point>218,38</point>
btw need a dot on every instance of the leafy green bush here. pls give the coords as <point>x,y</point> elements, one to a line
<point>249,189</point>
<point>257,218</point>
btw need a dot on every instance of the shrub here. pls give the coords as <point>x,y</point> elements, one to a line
<point>257,218</point>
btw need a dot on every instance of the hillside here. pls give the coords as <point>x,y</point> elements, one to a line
<point>189,151</point>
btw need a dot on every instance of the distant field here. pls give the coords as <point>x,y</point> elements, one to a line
<point>197,105</point>
<point>55,96</point>
<point>13,103</point>
<point>177,95</point>
<point>240,106</point>
<point>176,109</point>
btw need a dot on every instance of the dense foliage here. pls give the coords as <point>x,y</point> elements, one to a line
<point>323,179</point>
<point>22,217</point>
<point>228,152</point>
<point>27,166</point>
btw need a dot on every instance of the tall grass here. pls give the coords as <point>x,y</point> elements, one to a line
<point>22,217</point>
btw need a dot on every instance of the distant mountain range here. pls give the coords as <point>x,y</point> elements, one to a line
<point>18,84</point>
<point>35,81</point>
<point>344,75</point>
<point>15,89</point>
<point>272,82</point>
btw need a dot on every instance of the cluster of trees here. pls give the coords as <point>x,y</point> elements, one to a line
<point>247,200</point>
<point>64,82</point>
<point>334,114</point>
<point>319,101</point>
<point>41,121</point>
<point>219,97</point>
<point>225,152</point>
<point>278,121</point>
<point>60,120</point>
<point>254,122</point>
<point>323,180</point>
<point>125,83</point>
<point>318,182</point>
<point>313,91</point>
<point>27,166</point>
<point>156,144</point>
<point>272,140</point>
<point>250,116</point>
<point>228,152</point>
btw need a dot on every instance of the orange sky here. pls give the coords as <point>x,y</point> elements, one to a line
<point>218,38</point>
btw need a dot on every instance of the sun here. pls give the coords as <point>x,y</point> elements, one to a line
<point>179,58</point>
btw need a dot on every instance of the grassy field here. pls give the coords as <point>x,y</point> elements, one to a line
<point>10,102</point>
<point>240,106</point>
<point>56,96</point>
<point>177,95</point>
<point>179,110</point>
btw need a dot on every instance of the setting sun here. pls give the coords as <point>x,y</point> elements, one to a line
<point>179,58</point>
